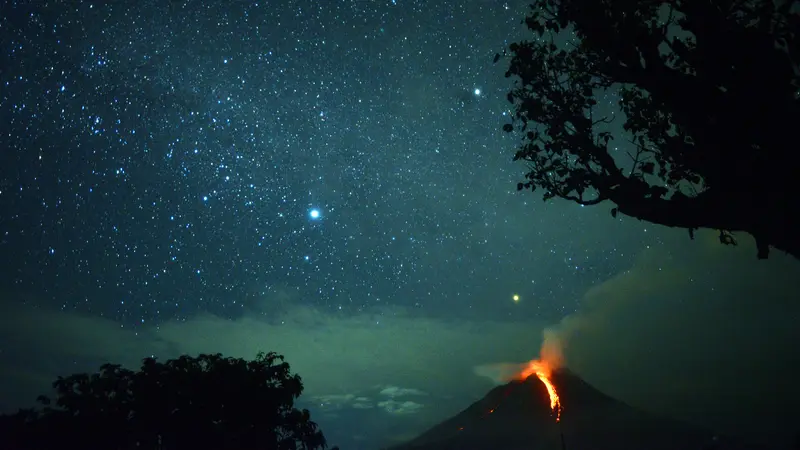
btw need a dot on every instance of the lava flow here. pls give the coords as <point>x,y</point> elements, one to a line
<point>542,370</point>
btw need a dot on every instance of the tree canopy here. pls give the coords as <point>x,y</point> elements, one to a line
<point>208,401</point>
<point>679,112</point>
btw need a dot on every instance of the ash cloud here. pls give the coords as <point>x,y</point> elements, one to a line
<point>695,330</point>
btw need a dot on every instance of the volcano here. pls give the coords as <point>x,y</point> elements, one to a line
<point>519,416</point>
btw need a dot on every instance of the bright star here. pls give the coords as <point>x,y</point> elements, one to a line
<point>477,91</point>
<point>515,298</point>
<point>314,214</point>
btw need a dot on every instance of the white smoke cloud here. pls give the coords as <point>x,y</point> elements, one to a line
<point>498,373</point>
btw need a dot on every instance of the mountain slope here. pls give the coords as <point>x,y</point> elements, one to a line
<point>518,416</point>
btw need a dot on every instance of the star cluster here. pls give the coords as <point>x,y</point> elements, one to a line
<point>164,158</point>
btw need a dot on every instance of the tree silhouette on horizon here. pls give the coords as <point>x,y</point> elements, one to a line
<point>708,105</point>
<point>208,401</point>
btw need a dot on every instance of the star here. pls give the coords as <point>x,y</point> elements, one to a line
<point>314,214</point>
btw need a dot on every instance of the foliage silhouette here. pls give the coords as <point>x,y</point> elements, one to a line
<point>208,401</point>
<point>709,92</point>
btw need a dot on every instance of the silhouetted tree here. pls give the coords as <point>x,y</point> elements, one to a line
<point>710,99</point>
<point>207,401</point>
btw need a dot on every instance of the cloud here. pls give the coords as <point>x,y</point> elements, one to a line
<point>400,407</point>
<point>334,402</point>
<point>388,398</point>
<point>396,405</point>
<point>395,391</point>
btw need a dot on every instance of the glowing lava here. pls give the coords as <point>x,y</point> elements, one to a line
<point>542,370</point>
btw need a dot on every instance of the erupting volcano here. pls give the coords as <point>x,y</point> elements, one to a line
<point>543,372</point>
<point>518,415</point>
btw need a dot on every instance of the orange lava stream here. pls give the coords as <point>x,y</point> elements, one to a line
<point>542,371</point>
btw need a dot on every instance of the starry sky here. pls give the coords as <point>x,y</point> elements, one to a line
<point>328,180</point>
<point>222,151</point>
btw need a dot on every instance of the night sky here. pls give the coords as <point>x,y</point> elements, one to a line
<point>329,180</point>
